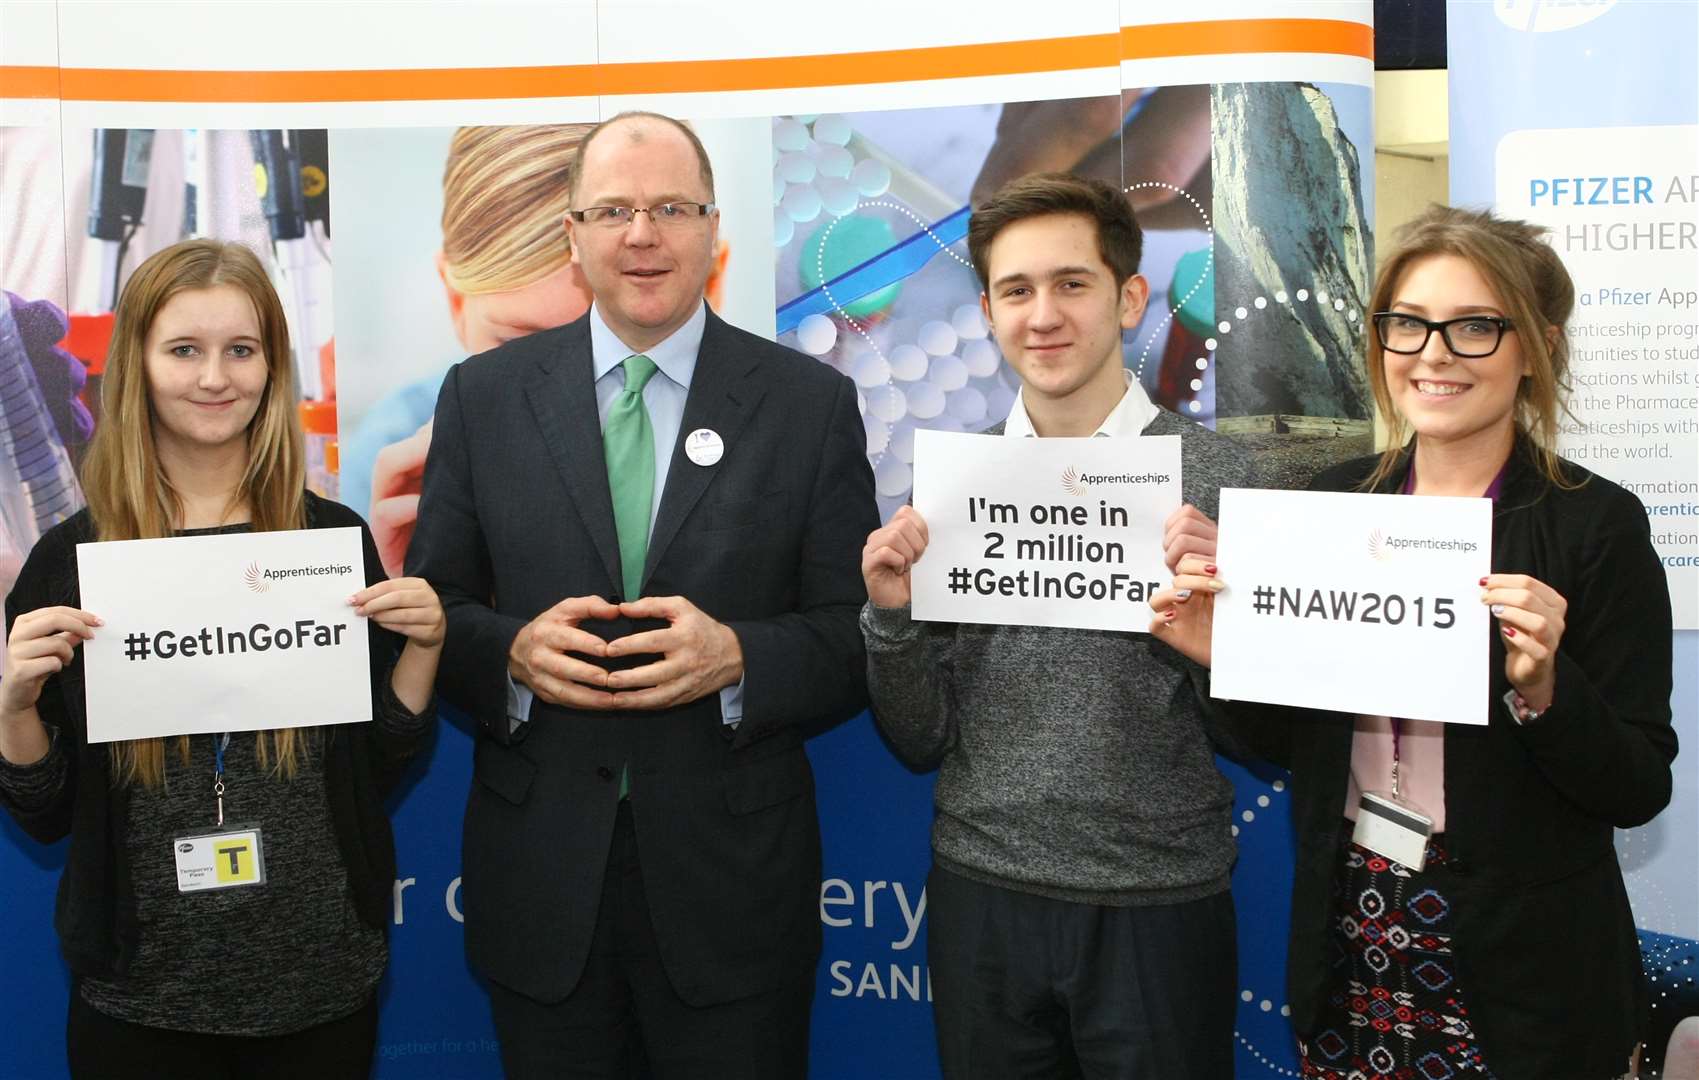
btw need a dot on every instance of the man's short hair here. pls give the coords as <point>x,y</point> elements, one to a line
<point>576,168</point>
<point>1120,241</point>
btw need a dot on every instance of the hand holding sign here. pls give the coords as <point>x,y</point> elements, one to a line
<point>1188,531</point>
<point>408,606</point>
<point>1185,612</point>
<point>890,553</point>
<point>39,646</point>
<point>1530,615</point>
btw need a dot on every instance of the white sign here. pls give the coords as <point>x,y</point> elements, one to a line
<point>1355,603</point>
<point>238,632</point>
<point>1043,532</point>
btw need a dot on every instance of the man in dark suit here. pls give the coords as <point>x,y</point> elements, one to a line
<point>645,527</point>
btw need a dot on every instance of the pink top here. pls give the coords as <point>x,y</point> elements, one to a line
<point>1420,746</point>
<point>1421,765</point>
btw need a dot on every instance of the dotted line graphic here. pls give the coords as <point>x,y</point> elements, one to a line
<point>1242,315</point>
<point>1266,1005</point>
<point>1643,891</point>
<point>1174,306</point>
<point>820,265</point>
<point>838,309</point>
<point>1661,970</point>
<point>1267,1063</point>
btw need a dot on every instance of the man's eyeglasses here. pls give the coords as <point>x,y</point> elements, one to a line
<point>662,216</point>
<point>1472,336</point>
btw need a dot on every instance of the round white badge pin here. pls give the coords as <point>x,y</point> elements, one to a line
<point>704,446</point>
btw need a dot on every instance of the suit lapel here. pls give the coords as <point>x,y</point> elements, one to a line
<point>562,395</point>
<point>723,394</point>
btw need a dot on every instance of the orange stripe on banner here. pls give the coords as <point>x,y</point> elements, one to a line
<point>585,80</point>
<point>847,69</point>
<point>1230,36</point>
<point>412,84</point>
<point>1207,38</point>
<point>28,82</point>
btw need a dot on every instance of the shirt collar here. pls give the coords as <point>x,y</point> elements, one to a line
<point>675,356</point>
<point>1130,416</point>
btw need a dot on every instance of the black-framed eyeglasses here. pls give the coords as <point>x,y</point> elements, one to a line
<point>1471,336</point>
<point>662,215</point>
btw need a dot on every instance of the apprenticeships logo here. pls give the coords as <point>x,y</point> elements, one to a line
<point>1072,482</point>
<point>259,579</point>
<point>1078,483</point>
<point>1382,547</point>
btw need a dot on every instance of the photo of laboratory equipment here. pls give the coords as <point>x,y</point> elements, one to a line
<point>870,215</point>
<point>98,202</point>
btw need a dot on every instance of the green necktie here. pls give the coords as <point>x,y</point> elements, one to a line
<point>628,443</point>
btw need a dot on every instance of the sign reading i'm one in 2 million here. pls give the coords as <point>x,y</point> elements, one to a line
<point>1043,532</point>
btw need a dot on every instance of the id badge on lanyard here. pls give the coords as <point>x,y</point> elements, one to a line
<point>225,856</point>
<point>1390,825</point>
<point>1387,823</point>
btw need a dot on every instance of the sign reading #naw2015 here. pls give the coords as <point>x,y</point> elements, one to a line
<point>1354,603</point>
<point>238,632</point>
<point>1043,532</point>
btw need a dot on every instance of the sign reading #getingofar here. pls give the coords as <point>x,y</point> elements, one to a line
<point>236,632</point>
<point>1352,602</point>
<point>1043,532</point>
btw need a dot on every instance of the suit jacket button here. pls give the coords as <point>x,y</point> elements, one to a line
<point>604,772</point>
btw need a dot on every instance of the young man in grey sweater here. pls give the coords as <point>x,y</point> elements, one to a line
<point>1080,921</point>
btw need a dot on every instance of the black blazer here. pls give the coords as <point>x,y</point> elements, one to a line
<point>95,913</point>
<point>515,516</point>
<point>1545,944</point>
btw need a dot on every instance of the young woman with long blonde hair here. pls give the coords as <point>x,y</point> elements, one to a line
<point>199,435</point>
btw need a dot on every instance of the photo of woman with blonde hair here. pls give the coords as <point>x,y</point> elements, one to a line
<point>201,436</point>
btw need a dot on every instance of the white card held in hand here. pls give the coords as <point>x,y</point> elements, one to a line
<point>231,632</point>
<point>1043,532</point>
<point>1352,602</point>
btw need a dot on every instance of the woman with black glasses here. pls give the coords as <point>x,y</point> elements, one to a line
<point>1511,951</point>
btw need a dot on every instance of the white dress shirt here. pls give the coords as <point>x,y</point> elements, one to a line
<point>1130,416</point>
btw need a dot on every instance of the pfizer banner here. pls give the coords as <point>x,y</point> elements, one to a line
<point>1585,118</point>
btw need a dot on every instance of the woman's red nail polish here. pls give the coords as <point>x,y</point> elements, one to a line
<point>1510,631</point>
<point>1210,570</point>
<point>1483,582</point>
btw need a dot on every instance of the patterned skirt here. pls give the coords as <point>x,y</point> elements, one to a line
<point>1396,1011</point>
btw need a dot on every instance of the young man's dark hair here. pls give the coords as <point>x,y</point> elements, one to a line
<point>1120,241</point>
